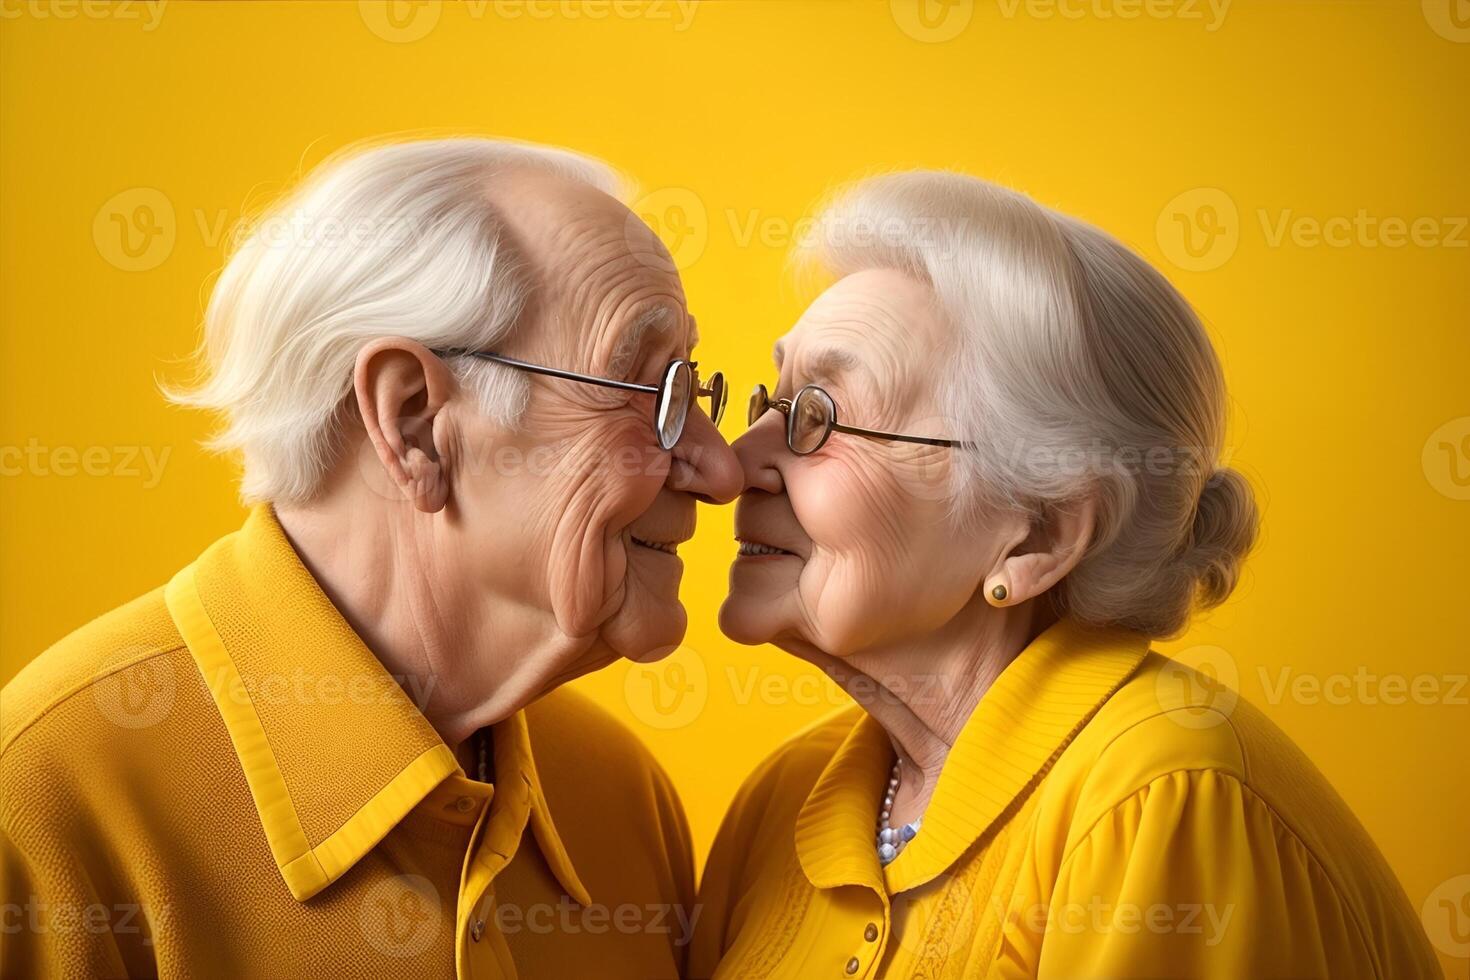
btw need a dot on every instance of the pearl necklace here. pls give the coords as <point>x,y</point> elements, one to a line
<point>892,840</point>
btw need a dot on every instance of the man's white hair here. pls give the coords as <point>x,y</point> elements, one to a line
<point>1077,369</point>
<point>389,240</point>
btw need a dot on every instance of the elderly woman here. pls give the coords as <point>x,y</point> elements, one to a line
<point>458,374</point>
<point>985,481</point>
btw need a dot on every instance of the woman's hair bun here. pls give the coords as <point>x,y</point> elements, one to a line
<point>1225,524</point>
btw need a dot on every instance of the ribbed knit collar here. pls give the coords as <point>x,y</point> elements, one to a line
<point>1032,711</point>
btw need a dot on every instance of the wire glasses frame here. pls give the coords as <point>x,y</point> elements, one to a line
<point>811,418</point>
<point>678,388</point>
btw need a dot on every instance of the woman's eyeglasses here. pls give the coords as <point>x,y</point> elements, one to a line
<point>811,418</point>
<point>678,388</point>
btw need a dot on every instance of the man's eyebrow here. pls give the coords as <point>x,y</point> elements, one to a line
<point>654,318</point>
<point>778,353</point>
<point>693,332</point>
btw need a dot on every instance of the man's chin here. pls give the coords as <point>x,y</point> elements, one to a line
<point>648,630</point>
<point>654,655</point>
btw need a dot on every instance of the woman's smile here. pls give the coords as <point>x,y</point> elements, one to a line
<point>756,549</point>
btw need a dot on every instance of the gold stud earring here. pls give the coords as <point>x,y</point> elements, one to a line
<point>998,594</point>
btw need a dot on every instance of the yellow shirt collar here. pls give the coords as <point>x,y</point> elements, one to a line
<point>1036,706</point>
<point>334,750</point>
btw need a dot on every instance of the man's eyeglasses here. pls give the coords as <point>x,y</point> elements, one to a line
<point>811,418</point>
<point>678,388</point>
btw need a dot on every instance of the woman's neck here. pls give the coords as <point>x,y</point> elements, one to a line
<point>923,689</point>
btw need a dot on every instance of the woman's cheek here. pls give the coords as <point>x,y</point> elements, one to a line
<point>827,500</point>
<point>863,586</point>
<point>850,509</point>
<point>850,606</point>
<point>849,588</point>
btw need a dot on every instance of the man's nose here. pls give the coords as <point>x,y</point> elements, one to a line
<point>758,451</point>
<point>704,463</point>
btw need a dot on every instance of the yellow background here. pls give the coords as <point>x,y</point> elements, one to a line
<point>1244,126</point>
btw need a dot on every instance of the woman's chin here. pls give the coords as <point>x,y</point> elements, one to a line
<point>747,618</point>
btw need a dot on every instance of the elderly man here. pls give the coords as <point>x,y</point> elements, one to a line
<point>457,372</point>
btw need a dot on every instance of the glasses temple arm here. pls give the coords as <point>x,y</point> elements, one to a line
<point>894,436</point>
<point>551,372</point>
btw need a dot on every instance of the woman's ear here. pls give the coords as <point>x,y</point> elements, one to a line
<point>401,389</point>
<point>1053,547</point>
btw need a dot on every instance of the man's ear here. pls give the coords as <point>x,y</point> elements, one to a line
<point>401,389</point>
<point>1051,549</point>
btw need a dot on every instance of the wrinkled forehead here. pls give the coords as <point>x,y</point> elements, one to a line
<point>598,272</point>
<point>880,322</point>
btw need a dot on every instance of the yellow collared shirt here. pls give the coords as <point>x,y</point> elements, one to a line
<point>220,779</point>
<point>1105,812</point>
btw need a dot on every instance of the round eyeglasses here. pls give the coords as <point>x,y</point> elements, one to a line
<point>679,387</point>
<point>811,418</point>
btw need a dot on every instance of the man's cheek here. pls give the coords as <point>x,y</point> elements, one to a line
<point>636,472</point>
<point>621,464</point>
<point>586,567</point>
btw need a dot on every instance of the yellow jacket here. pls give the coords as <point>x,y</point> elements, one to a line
<point>1105,812</point>
<point>220,780</point>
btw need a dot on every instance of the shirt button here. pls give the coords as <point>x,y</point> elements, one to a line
<point>464,804</point>
<point>477,929</point>
<point>852,966</point>
<point>871,933</point>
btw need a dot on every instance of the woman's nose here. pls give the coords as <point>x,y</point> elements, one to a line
<point>704,463</point>
<point>758,451</point>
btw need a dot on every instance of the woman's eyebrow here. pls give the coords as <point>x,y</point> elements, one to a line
<point>829,363</point>
<point>823,364</point>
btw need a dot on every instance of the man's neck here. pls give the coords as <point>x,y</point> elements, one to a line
<point>375,567</point>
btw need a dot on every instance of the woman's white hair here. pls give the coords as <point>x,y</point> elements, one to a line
<point>1078,369</point>
<point>397,239</point>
